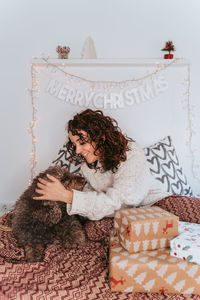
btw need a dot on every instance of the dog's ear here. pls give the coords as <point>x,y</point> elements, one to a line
<point>77,182</point>
<point>55,171</point>
<point>81,181</point>
<point>66,179</point>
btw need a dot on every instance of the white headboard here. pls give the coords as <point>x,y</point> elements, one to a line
<point>149,98</point>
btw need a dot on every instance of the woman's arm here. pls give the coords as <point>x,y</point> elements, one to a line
<point>53,190</point>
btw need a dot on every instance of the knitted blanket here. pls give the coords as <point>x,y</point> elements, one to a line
<point>71,273</point>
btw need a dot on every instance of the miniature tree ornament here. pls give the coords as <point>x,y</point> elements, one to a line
<point>169,46</point>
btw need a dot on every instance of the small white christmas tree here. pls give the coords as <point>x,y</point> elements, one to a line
<point>189,291</point>
<point>192,271</point>
<point>161,272</point>
<point>152,264</point>
<point>136,246</point>
<point>145,244</point>
<point>154,243</point>
<point>170,279</point>
<point>182,265</point>
<point>124,221</point>
<point>89,50</point>
<point>140,278</point>
<point>155,227</point>
<point>179,285</point>
<point>148,286</point>
<point>122,264</point>
<point>137,228</point>
<point>146,228</point>
<point>131,271</point>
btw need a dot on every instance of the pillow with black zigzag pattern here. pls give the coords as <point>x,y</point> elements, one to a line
<point>62,160</point>
<point>164,166</point>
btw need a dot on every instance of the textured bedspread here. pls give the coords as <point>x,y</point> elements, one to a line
<point>77,273</point>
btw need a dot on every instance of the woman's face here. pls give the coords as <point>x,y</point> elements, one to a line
<point>83,147</point>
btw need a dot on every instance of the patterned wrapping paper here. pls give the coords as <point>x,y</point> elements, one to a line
<point>188,227</point>
<point>151,271</point>
<point>187,244</point>
<point>145,228</point>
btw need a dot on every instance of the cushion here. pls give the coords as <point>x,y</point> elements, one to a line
<point>165,167</point>
<point>186,208</point>
<point>98,230</point>
<point>62,160</point>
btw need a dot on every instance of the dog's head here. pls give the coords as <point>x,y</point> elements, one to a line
<point>73,181</point>
<point>69,180</point>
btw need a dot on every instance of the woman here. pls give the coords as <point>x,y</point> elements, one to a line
<point>113,165</point>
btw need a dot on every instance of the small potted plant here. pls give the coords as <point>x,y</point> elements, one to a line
<point>63,52</point>
<point>168,47</point>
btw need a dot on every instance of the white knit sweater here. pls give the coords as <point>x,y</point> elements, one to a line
<point>132,185</point>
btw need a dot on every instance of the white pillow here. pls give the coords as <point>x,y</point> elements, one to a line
<point>62,160</point>
<point>164,166</point>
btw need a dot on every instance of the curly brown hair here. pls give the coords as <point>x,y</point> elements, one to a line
<point>111,144</point>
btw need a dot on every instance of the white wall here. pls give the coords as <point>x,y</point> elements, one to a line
<point>119,28</point>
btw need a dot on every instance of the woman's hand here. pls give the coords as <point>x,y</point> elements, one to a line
<point>53,190</point>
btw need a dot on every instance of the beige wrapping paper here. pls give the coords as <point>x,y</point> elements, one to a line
<point>145,228</point>
<point>151,271</point>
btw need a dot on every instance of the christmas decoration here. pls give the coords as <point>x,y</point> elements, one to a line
<point>89,50</point>
<point>168,47</point>
<point>63,52</point>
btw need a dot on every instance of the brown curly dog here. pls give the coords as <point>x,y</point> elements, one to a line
<point>38,223</point>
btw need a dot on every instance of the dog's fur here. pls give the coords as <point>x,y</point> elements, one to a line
<point>36,223</point>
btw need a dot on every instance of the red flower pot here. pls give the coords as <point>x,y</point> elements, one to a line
<point>168,56</point>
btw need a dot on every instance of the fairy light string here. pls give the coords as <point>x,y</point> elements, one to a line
<point>190,116</point>
<point>112,84</point>
<point>34,93</point>
<point>106,85</point>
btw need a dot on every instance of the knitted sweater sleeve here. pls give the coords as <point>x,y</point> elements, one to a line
<point>130,186</point>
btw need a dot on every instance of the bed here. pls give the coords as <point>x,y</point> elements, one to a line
<point>83,273</point>
<point>77,273</point>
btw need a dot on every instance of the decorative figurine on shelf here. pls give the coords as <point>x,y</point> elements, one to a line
<point>169,47</point>
<point>63,52</point>
<point>89,50</point>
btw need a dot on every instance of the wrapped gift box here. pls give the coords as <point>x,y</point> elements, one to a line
<point>187,244</point>
<point>145,228</point>
<point>188,227</point>
<point>151,271</point>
